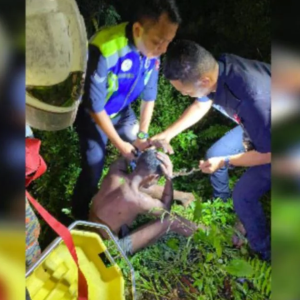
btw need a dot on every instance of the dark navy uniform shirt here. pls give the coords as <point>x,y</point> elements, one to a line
<point>244,94</point>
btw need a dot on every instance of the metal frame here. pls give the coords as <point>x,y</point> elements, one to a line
<point>56,242</point>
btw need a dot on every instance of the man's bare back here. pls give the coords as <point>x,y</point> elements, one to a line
<point>122,197</point>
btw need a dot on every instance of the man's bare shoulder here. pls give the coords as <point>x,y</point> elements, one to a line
<point>114,180</point>
<point>117,173</point>
<point>119,166</point>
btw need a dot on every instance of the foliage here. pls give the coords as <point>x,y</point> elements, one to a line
<point>205,266</point>
<point>202,267</point>
<point>97,14</point>
<point>238,268</point>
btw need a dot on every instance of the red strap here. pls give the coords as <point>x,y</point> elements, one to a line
<point>3,291</point>
<point>41,170</point>
<point>65,234</point>
<point>35,164</point>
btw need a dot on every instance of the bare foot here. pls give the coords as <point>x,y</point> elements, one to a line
<point>240,228</point>
<point>185,198</point>
<point>237,239</point>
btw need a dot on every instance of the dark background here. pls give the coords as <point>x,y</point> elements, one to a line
<point>242,27</point>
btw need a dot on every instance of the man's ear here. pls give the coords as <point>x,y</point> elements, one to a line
<point>137,29</point>
<point>205,81</point>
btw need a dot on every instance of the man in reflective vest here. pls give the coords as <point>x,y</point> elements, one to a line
<point>241,90</point>
<point>123,65</point>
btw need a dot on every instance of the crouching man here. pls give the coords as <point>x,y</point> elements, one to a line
<point>122,197</point>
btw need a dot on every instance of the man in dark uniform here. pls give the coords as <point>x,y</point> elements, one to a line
<point>240,89</point>
<point>123,65</point>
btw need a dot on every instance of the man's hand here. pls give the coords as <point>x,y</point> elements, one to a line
<point>193,114</point>
<point>211,165</point>
<point>141,144</point>
<point>163,136</point>
<point>127,150</point>
<point>164,145</point>
<point>158,144</point>
<point>166,165</point>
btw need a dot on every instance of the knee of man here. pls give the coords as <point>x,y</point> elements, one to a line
<point>135,129</point>
<point>215,150</point>
<point>131,132</point>
<point>209,153</point>
<point>94,159</point>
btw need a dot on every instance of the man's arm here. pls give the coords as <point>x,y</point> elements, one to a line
<point>95,95</point>
<point>257,123</point>
<point>168,194</point>
<point>151,204</point>
<point>247,159</point>
<point>193,114</point>
<point>104,122</point>
<point>147,108</point>
<point>250,159</point>
<point>157,207</point>
<point>156,191</point>
<point>167,169</point>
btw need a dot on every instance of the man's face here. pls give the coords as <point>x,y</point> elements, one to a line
<point>195,90</point>
<point>152,40</point>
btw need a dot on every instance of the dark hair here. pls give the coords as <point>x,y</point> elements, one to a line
<point>149,163</point>
<point>153,9</point>
<point>187,61</point>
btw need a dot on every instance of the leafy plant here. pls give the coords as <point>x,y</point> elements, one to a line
<point>239,268</point>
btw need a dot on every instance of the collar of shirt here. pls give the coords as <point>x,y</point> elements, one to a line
<point>220,82</point>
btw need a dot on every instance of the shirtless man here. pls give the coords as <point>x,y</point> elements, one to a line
<point>122,197</point>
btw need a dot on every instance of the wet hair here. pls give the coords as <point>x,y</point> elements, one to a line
<point>187,61</point>
<point>149,163</point>
<point>153,9</point>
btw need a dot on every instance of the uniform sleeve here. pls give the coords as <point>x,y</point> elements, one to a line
<point>150,90</point>
<point>203,99</point>
<point>96,81</point>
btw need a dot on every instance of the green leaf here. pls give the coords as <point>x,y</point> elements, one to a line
<point>199,284</point>
<point>239,268</point>
<point>244,251</point>
<point>218,246</point>
<point>66,211</point>
<point>223,219</point>
<point>209,257</point>
<point>173,244</point>
<point>197,211</point>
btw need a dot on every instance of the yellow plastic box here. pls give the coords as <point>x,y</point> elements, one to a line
<point>54,275</point>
